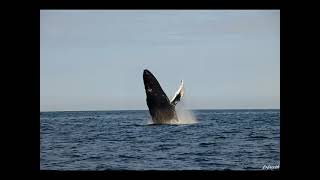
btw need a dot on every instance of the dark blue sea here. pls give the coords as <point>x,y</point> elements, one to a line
<point>124,140</point>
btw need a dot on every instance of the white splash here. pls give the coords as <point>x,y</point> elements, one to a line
<point>185,116</point>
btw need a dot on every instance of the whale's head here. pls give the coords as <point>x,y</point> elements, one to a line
<point>154,92</point>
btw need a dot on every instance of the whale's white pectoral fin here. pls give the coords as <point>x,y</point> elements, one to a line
<point>177,97</point>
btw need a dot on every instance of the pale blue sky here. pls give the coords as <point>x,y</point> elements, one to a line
<point>93,60</point>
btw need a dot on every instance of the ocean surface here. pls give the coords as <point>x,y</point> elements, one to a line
<point>125,140</point>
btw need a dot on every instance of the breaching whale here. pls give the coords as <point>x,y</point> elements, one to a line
<point>161,109</point>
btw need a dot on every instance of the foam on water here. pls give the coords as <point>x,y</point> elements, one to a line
<point>185,116</point>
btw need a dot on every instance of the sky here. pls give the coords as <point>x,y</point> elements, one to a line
<point>94,59</point>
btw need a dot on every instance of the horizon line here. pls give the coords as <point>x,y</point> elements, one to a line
<point>147,109</point>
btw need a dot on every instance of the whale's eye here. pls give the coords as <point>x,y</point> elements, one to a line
<point>149,89</point>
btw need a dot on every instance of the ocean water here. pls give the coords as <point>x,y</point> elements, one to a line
<point>125,140</point>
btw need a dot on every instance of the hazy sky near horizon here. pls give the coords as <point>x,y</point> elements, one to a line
<point>94,60</point>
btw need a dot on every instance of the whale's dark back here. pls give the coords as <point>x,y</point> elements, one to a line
<point>160,108</point>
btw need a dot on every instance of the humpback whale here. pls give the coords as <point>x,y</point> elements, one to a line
<point>161,109</point>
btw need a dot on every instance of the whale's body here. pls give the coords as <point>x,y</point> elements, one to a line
<point>161,109</point>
